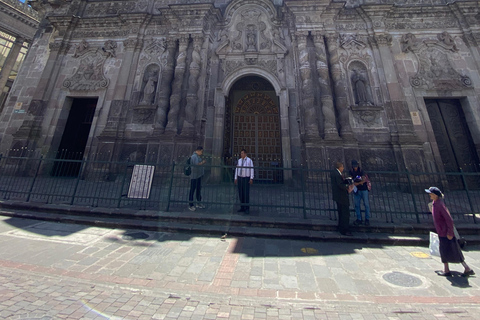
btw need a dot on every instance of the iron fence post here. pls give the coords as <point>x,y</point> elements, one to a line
<point>413,196</point>
<point>302,181</point>
<point>123,184</point>
<point>468,195</point>
<point>170,186</point>
<point>78,181</point>
<point>34,179</point>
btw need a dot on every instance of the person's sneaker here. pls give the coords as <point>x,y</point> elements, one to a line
<point>357,222</point>
<point>200,206</point>
<point>192,208</point>
<point>367,222</point>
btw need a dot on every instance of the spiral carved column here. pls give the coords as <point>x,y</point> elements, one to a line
<point>326,95</point>
<point>176,96</point>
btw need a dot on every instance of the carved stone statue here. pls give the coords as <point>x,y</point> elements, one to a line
<point>448,40</point>
<point>409,42</point>
<point>150,87</point>
<point>360,88</point>
<point>251,38</point>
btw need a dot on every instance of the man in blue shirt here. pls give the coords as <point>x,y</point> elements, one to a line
<point>198,171</point>
<point>360,193</point>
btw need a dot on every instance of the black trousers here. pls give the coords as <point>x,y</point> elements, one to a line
<point>195,185</point>
<point>244,191</point>
<point>343,217</point>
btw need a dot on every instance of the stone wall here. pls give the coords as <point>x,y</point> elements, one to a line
<point>351,78</point>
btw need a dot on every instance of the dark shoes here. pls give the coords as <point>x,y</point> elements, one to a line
<point>444,274</point>
<point>358,222</point>
<point>468,273</point>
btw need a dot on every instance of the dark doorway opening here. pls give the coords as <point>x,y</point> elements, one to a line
<point>252,121</point>
<point>74,138</point>
<point>453,137</point>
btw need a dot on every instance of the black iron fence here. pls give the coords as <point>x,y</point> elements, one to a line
<point>295,192</point>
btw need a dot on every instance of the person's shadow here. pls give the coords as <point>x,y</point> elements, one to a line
<point>457,280</point>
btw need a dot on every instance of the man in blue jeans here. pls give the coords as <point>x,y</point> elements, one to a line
<point>360,193</point>
<point>198,171</point>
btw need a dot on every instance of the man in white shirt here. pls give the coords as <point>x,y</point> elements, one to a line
<point>244,178</point>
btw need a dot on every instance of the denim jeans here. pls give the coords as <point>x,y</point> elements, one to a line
<point>358,196</point>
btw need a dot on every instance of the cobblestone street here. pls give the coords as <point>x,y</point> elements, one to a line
<point>62,271</point>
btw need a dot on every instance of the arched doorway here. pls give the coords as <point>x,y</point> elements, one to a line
<point>252,122</point>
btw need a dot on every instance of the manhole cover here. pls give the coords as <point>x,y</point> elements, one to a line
<point>402,279</point>
<point>135,236</point>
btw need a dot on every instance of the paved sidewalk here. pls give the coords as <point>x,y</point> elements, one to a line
<point>61,271</point>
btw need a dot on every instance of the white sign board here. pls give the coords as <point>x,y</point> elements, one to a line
<point>141,181</point>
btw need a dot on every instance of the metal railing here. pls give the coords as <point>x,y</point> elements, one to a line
<point>296,192</point>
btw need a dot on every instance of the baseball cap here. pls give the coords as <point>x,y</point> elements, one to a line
<point>435,191</point>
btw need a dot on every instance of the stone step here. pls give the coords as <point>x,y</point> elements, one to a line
<point>232,225</point>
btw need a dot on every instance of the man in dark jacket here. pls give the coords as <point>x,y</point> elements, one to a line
<point>340,196</point>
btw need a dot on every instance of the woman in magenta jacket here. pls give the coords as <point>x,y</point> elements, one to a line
<point>450,251</point>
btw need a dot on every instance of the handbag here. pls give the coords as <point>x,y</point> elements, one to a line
<point>369,184</point>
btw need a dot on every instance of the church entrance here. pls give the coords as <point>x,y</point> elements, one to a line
<point>75,137</point>
<point>452,136</point>
<point>253,123</point>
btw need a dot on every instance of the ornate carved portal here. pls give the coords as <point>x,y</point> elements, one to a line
<point>255,126</point>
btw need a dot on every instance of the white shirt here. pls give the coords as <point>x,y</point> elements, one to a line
<point>244,168</point>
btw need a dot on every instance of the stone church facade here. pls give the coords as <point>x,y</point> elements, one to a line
<point>392,83</point>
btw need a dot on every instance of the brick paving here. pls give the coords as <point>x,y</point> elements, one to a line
<point>61,271</point>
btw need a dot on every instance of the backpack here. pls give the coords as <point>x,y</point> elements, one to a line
<point>187,169</point>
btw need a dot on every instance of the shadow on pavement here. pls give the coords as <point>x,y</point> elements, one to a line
<point>456,280</point>
<point>44,228</point>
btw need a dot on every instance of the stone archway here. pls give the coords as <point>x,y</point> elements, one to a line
<point>222,103</point>
<point>252,122</point>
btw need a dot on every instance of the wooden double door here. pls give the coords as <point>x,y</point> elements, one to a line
<point>452,135</point>
<point>254,125</point>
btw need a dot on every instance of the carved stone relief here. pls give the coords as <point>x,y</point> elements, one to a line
<point>435,70</point>
<point>90,74</point>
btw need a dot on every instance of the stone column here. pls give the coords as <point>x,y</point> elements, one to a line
<point>10,62</point>
<point>176,97</point>
<point>192,98</point>
<point>310,117</point>
<point>165,88</point>
<point>339,86</point>
<point>326,95</point>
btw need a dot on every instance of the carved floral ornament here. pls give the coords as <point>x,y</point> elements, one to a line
<point>90,74</point>
<point>435,70</point>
